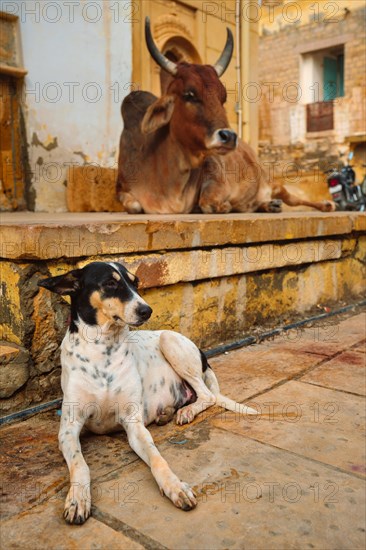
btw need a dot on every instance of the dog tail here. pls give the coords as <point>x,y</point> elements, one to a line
<point>233,406</point>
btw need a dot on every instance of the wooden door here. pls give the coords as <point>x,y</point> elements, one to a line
<point>11,145</point>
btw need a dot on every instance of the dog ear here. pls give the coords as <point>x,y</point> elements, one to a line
<point>63,284</point>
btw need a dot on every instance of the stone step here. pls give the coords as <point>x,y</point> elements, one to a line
<point>50,236</point>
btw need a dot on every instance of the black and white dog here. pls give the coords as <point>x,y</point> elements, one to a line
<point>113,377</point>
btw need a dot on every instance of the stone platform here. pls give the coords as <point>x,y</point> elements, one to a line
<point>293,478</point>
<point>215,278</point>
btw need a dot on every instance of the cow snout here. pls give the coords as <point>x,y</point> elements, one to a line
<point>227,137</point>
<point>143,312</point>
<point>223,141</point>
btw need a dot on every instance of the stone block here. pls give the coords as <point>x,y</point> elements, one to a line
<point>92,189</point>
<point>14,369</point>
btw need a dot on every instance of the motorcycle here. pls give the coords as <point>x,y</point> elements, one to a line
<point>345,194</point>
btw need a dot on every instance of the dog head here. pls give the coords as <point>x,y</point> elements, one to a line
<point>101,292</point>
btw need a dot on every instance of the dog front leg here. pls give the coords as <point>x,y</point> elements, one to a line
<point>170,485</point>
<point>78,500</point>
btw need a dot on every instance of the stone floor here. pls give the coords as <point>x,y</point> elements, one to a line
<point>292,478</point>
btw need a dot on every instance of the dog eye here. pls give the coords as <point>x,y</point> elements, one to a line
<point>112,283</point>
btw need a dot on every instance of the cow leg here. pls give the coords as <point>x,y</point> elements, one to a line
<point>130,203</point>
<point>213,200</point>
<point>274,206</point>
<point>292,200</point>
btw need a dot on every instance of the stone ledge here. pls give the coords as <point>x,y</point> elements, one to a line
<point>171,267</point>
<point>41,236</point>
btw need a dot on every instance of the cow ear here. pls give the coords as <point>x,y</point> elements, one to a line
<point>63,284</point>
<point>158,114</point>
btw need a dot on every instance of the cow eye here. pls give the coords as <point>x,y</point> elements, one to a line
<point>190,96</point>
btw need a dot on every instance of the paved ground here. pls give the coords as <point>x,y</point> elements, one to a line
<point>292,478</point>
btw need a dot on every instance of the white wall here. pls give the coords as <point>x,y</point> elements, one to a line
<point>79,60</point>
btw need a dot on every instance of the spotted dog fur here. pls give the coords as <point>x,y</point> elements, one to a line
<point>113,377</point>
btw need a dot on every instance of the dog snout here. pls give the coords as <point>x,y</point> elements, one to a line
<point>143,312</point>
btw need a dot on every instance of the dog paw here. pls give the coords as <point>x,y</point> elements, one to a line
<point>180,493</point>
<point>77,505</point>
<point>165,416</point>
<point>186,499</point>
<point>185,415</point>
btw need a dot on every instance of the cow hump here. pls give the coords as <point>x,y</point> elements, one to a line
<point>134,107</point>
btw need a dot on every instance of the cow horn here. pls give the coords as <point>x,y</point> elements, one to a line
<point>161,60</point>
<point>224,60</point>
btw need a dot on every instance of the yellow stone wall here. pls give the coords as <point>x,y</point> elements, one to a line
<point>215,280</point>
<point>274,14</point>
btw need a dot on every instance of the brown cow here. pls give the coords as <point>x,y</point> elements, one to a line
<point>178,154</point>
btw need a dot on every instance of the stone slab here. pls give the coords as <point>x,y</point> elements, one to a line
<point>326,337</point>
<point>33,468</point>
<point>43,528</point>
<point>250,495</point>
<point>32,235</point>
<point>254,369</point>
<point>318,423</point>
<point>346,372</point>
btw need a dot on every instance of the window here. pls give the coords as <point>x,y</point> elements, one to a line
<point>322,81</point>
<point>333,76</point>
<point>322,75</point>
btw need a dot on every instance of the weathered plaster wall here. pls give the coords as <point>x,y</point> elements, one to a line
<point>79,61</point>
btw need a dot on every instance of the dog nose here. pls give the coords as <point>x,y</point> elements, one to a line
<point>228,137</point>
<point>144,312</point>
